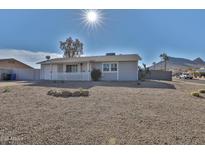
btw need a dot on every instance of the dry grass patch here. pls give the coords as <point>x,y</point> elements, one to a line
<point>6,89</point>
<point>112,141</point>
<point>114,113</point>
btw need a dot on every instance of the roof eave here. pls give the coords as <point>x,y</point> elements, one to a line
<point>63,60</point>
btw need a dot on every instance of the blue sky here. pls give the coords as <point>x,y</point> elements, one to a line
<point>29,35</point>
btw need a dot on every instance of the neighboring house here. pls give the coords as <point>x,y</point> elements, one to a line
<point>21,70</point>
<point>113,67</point>
<point>12,63</point>
<point>201,70</point>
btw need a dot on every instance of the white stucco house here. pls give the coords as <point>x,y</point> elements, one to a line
<point>113,68</point>
<point>201,70</point>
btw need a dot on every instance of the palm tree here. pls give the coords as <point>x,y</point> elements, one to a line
<point>145,66</point>
<point>146,69</point>
<point>165,58</point>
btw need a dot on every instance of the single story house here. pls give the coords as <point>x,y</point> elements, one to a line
<point>201,70</point>
<point>113,68</point>
<point>11,63</point>
<point>21,70</point>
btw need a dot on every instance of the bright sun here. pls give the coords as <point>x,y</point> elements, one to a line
<point>92,16</point>
<point>92,19</point>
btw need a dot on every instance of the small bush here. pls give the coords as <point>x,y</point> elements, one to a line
<point>76,94</point>
<point>66,93</point>
<point>6,90</point>
<point>96,74</point>
<point>196,94</point>
<point>50,92</point>
<point>84,93</point>
<point>202,91</point>
<point>80,89</point>
<point>55,93</point>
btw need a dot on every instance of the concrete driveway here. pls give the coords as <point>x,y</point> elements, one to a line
<point>14,83</point>
<point>191,81</point>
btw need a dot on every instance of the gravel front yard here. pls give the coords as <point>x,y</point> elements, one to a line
<point>114,113</point>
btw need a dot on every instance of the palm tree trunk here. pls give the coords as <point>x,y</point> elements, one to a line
<point>165,65</point>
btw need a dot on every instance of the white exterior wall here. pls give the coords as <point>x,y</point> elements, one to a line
<point>22,73</point>
<point>127,71</point>
<point>26,74</point>
<point>45,73</point>
<point>50,72</point>
<point>106,76</point>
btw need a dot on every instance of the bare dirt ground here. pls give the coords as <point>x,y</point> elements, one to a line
<point>154,112</point>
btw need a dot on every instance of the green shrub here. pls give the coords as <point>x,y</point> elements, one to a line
<point>199,74</point>
<point>202,74</point>
<point>202,91</point>
<point>96,74</point>
<point>196,74</point>
<point>196,94</point>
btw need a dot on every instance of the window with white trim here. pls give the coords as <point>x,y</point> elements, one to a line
<point>113,67</point>
<point>106,67</point>
<point>109,67</point>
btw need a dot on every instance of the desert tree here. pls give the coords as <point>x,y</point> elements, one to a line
<point>165,58</point>
<point>71,48</point>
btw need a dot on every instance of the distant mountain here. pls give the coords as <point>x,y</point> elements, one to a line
<point>179,64</point>
<point>198,61</point>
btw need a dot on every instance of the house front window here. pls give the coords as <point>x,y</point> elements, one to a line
<point>113,67</point>
<point>106,67</point>
<point>71,68</point>
<point>110,67</point>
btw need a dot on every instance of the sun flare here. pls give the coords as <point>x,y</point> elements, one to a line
<point>92,18</point>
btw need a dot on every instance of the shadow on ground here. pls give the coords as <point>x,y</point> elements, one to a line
<point>90,84</point>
